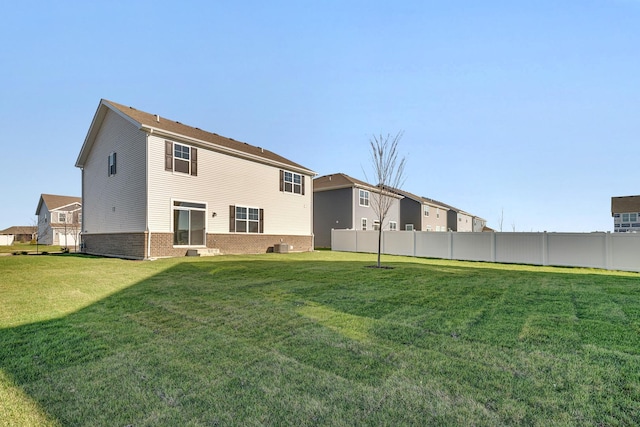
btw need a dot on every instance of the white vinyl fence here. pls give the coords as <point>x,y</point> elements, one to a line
<point>609,251</point>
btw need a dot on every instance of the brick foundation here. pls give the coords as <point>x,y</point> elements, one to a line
<point>134,245</point>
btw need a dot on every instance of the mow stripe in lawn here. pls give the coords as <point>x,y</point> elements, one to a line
<point>315,339</point>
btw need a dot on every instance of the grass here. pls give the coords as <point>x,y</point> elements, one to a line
<point>28,247</point>
<point>315,339</point>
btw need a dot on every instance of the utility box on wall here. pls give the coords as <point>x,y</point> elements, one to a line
<point>281,248</point>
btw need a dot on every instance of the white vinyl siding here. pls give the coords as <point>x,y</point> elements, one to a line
<point>116,203</point>
<point>222,181</point>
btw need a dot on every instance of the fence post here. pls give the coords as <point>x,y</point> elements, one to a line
<point>450,244</point>
<point>607,251</point>
<point>545,249</point>
<point>414,243</point>
<point>493,247</point>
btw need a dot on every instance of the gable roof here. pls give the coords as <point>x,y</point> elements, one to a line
<point>420,199</point>
<point>152,123</point>
<point>625,204</point>
<point>341,180</point>
<point>52,201</point>
<point>20,229</point>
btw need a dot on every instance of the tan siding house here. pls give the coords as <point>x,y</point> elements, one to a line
<point>153,187</point>
<point>59,220</point>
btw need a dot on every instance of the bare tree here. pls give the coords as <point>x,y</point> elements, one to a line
<point>388,172</point>
<point>501,218</point>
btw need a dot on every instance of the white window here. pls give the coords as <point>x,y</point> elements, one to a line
<point>426,210</point>
<point>189,224</point>
<point>181,158</point>
<point>393,226</point>
<point>363,223</point>
<point>376,225</point>
<point>364,198</point>
<point>62,217</point>
<point>291,182</point>
<point>437,212</point>
<point>247,220</point>
<point>429,227</point>
<point>408,227</point>
<point>112,164</point>
<point>629,217</point>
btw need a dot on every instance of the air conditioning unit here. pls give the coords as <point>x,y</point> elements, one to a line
<point>281,248</point>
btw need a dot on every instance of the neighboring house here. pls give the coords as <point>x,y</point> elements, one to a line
<point>59,220</point>
<point>459,220</point>
<point>17,234</point>
<point>153,187</point>
<point>626,214</point>
<point>480,224</point>
<point>421,213</point>
<point>343,202</point>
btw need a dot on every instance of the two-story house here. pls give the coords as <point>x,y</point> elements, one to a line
<point>625,211</point>
<point>343,202</point>
<point>59,220</point>
<point>154,187</point>
<point>459,220</point>
<point>419,213</point>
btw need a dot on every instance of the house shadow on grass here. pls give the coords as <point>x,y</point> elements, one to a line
<point>201,342</point>
<point>232,342</point>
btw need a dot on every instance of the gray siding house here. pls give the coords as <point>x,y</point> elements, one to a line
<point>343,202</point>
<point>421,213</point>
<point>154,187</point>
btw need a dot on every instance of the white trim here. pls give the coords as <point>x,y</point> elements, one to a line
<point>206,222</point>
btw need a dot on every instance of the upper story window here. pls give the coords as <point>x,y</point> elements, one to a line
<point>291,182</point>
<point>408,227</point>
<point>62,217</point>
<point>112,164</point>
<point>364,198</point>
<point>180,158</point>
<point>437,212</point>
<point>629,217</point>
<point>393,226</point>
<point>363,223</point>
<point>426,210</point>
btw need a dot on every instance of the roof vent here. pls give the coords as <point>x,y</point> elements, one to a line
<point>157,118</point>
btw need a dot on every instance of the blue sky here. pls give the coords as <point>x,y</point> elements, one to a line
<point>525,110</point>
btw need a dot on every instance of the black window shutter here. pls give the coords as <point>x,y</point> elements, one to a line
<point>281,180</point>
<point>302,180</point>
<point>168,156</point>
<point>114,164</point>
<point>109,165</point>
<point>194,161</point>
<point>261,226</point>
<point>232,219</point>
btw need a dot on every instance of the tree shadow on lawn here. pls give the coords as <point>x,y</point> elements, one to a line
<point>232,342</point>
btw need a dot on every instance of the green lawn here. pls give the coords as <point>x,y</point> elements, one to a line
<point>315,339</point>
<point>28,247</point>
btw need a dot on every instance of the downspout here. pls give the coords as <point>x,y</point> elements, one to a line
<point>82,245</point>
<point>146,209</point>
<point>313,236</point>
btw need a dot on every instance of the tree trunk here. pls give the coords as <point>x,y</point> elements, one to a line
<point>379,242</point>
